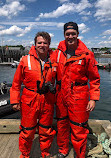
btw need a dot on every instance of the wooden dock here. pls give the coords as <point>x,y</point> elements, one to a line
<point>9,145</point>
<point>9,136</point>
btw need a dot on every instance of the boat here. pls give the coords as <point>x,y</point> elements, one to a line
<point>104,66</point>
<point>15,64</point>
<point>5,106</point>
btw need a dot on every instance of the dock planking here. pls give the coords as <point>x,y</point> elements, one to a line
<point>9,138</point>
<point>9,147</point>
<point>9,141</point>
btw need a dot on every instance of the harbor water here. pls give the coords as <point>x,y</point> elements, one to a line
<point>103,107</point>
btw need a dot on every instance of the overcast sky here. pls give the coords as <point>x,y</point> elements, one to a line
<point>20,20</point>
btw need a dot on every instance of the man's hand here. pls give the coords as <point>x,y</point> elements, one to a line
<point>16,107</point>
<point>91,105</point>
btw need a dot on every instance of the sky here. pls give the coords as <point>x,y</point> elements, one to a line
<point>20,20</point>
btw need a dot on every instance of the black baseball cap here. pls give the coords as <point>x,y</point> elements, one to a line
<point>73,26</point>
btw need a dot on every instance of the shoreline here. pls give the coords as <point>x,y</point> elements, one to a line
<point>102,55</point>
<point>6,64</point>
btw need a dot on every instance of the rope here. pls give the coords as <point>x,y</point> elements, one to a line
<point>106,143</point>
<point>107,146</point>
<point>3,88</point>
<point>99,156</point>
<point>96,150</point>
<point>102,137</point>
<point>103,148</point>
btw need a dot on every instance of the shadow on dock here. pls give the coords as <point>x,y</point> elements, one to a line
<point>9,147</point>
<point>36,153</point>
<point>9,141</point>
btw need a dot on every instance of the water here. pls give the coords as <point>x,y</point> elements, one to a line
<point>103,60</point>
<point>6,74</point>
<point>103,107</point>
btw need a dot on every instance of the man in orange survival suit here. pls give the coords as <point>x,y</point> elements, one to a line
<point>76,65</point>
<point>36,71</point>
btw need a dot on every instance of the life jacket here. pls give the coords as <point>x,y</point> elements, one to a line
<point>29,72</point>
<point>78,69</point>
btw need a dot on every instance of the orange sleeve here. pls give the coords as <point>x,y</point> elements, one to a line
<point>94,77</point>
<point>16,84</point>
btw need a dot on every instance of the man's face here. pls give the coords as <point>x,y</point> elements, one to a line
<point>42,45</point>
<point>71,37</point>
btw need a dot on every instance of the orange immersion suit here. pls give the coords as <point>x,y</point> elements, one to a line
<point>73,95</point>
<point>33,105</point>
